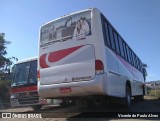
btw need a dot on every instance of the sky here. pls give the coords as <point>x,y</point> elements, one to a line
<point>137,21</point>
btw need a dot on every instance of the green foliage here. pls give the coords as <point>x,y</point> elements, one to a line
<point>3,52</point>
<point>5,92</point>
<point>5,63</point>
<point>4,88</point>
<point>5,83</point>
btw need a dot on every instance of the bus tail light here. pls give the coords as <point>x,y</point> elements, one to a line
<point>99,67</point>
<point>38,75</point>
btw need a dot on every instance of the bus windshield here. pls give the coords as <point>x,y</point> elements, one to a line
<point>67,28</point>
<point>24,73</point>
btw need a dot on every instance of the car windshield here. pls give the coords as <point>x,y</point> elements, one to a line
<point>25,73</point>
<point>67,28</point>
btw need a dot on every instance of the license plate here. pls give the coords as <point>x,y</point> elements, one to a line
<point>65,90</point>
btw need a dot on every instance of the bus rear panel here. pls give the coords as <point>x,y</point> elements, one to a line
<point>75,61</point>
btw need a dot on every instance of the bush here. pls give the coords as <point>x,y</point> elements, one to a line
<point>5,92</point>
<point>5,83</point>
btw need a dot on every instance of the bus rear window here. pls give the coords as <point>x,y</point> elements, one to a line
<point>67,28</point>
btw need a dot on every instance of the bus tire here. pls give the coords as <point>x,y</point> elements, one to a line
<point>65,102</point>
<point>139,98</point>
<point>81,103</point>
<point>36,107</point>
<point>90,103</point>
<point>128,97</point>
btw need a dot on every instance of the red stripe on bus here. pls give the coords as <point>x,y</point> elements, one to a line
<point>23,89</point>
<point>43,61</point>
<point>58,55</point>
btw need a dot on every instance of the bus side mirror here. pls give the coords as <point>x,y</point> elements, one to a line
<point>145,72</point>
<point>144,65</point>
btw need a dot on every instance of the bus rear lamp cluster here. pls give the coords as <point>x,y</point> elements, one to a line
<point>99,67</point>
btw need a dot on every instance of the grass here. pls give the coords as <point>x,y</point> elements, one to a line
<point>154,93</point>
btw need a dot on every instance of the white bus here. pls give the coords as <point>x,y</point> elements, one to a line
<point>81,55</point>
<point>24,85</point>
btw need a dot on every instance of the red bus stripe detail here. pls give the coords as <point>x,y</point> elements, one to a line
<point>58,55</point>
<point>23,89</point>
<point>43,61</point>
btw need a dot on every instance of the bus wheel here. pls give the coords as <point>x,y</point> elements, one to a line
<point>90,103</point>
<point>36,107</point>
<point>81,103</point>
<point>65,103</point>
<point>128,97</point>
<point>139,98</point>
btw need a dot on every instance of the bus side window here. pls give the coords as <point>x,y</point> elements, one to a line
<point>125,52</point>
<point>107,34</point>
<point>136,64</point>
<point>111,37</point>
<point>130,51</point>
<point>116,42</point>
<point>139,68</point>
<point>121,46</point>
<point>134,60</point>
<point>129,56</point>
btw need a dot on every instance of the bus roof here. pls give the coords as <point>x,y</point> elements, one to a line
<point>27,60</point>
<point>66,15</point>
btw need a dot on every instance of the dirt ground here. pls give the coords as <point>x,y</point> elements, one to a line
<point>71,113</point>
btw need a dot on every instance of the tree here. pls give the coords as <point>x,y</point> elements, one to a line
<point>5,63</point>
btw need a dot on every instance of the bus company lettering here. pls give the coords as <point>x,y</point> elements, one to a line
<point>81,78</point>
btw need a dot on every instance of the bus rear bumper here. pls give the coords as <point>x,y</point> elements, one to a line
<point>15,103</point>
<point>83,88</point>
